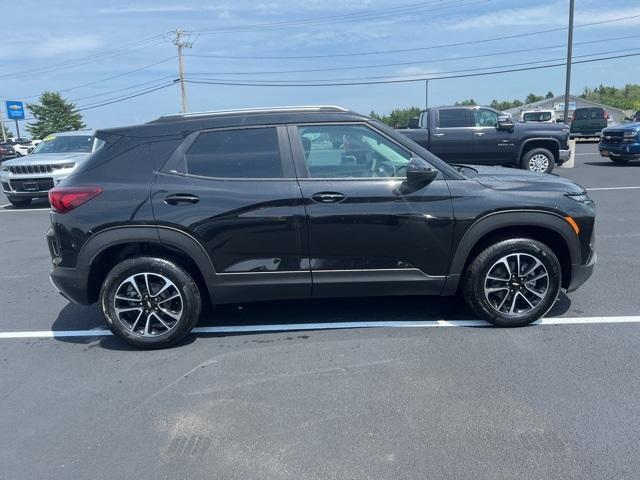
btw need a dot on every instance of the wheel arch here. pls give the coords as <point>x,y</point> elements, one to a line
<point>546,227</point>
<point>549,143</point>
<point>108,247</point>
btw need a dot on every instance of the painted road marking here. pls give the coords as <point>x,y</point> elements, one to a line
<point>101,332</point>
<point>612,188</point>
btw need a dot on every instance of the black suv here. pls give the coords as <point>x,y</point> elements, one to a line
<point>189,211</point>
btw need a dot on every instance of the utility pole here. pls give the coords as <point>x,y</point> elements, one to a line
<point>182,41</point>
<point>426,93</point>
<point>4,132</point>
<point>567,89</point>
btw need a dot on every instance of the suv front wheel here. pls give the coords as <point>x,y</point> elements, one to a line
<point>513,283</point>
<point>150,302</point>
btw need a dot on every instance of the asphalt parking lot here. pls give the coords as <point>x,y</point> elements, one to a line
<point>445,400</point>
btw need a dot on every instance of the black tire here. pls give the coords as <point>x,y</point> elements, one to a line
<point>20,202</point>
<point>475,280</point>
<point>619,160</point>
<point>159,269</point>
<point>527,163</point>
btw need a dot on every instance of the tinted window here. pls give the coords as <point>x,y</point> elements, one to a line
<point>347,151</point>
<point>581,114</point>
<point>485,118</point>
<point>246,153</point>
<point>597,113</point>
<point>537,117</point>
<point>453,117</point>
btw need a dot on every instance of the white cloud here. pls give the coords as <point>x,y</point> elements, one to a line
<point>541,15</point>
<point>51,47</point>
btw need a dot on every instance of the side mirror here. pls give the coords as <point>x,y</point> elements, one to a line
<point>505,122</point>
<point>419,173</point>
<point>414,123</point>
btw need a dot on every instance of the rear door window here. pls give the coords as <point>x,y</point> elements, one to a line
<point>241,153</point>
<point>454,117</point>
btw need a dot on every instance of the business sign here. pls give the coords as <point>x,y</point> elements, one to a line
<point>15,110</point>
<point>559,107</point>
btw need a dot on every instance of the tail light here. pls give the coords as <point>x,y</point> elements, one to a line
<point>65,199</point>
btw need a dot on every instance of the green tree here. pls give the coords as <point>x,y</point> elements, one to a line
<point>399,117</point>
<point>505,104</point>
<point>53,114</point>
<point>6,131</point>
<point>549,95</point>
<point>626,98</point>
<point>467,101</point>
<point>532,98</point>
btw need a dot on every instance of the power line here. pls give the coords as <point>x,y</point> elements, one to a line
<point>421,76</point>
<point>421,62</point>
<point>127,97</point>
<point>331,19</point>
<point>379,82</point>
<point>87,59</point>
<point>415,49</point>
<point>157,80</point>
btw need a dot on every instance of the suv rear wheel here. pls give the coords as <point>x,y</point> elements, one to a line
<point>538,160</point>
<point>150,302</point>
<point>513,282</point>
<point>618,160</point>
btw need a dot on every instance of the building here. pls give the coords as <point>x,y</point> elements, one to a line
<point>557,104</point>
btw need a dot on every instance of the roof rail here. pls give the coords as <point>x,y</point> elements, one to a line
<point>302,108</point>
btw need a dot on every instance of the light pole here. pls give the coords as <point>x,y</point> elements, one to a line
<point>567,89</point>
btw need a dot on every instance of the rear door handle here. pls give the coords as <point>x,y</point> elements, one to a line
<point>181,199</point>
<point>478,134</point>
<point>328,197</point>
<point>438,134</point>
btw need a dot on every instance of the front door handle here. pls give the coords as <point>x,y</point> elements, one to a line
<point>181,199</point>
<point>478,134</point>
<point>328,197</point>
<point>438,134</point>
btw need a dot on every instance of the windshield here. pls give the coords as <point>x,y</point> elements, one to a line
<point>65,144</point>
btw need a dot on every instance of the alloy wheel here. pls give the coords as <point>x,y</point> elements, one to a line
<point>516,284</point>
<point>539,163</point>
<point>148,304</point>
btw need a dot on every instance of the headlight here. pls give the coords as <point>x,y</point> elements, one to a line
<point>6,169</point>
<point>630,133</point>
<point>64,165</point>
<point>583,199</point>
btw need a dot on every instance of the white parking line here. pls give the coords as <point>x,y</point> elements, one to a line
<point>99,332</point>
<point>612,188</point>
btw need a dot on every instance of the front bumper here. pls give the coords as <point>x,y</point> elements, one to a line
<point>625,150</point>
<point>564,155</point>
<point>581,273</point>
<point>30,186</point>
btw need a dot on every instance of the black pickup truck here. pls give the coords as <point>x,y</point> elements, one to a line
<point>483,136</point>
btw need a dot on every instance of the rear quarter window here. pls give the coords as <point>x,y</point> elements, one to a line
<point>240,153</point>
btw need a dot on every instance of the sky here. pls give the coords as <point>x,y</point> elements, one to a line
<point>97,51</point>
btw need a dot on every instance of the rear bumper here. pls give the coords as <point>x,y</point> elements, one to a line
<point>71,283</point>
<point>581,273</point>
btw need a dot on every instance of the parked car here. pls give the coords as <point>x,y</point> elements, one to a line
<point>197,209</point>
<point>6,152</point>
<point>588,122</point>
<point>620,144</point>
<point>52,160</point>
<point>482,136</point>
<point>540,116</point>
<point>22,146</point>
